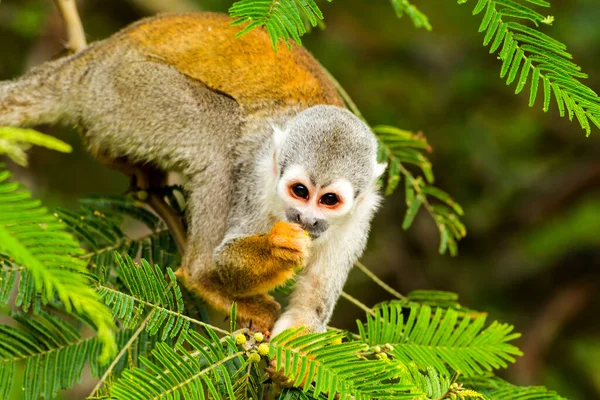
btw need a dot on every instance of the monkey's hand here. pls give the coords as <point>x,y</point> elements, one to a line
<point>289,244</point>
<point>256,264</point>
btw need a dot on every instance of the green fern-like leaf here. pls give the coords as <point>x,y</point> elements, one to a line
<point>398,147</point>
<point>53,351</point>
<point>281,18</point>
<point>14,142</point>
<point>146,286</point>
<point>529,55</point>
<point>327,366</point>
<point>496,388</point>
<point>176,372</point>
<point>434,299</point>
<point>439,387</point>
<point>402,7</point>
<point>148,290</point>
<point>440,339</point>
<point>98,225</point>
<point>247,382</point>
<point>43,252</point>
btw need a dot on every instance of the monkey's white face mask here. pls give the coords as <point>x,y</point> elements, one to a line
<point>319,200</point>
<point>314,207</point>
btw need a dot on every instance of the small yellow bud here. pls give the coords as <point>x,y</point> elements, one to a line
<point>389,347</point>
<point>263,349</point>
<point>142,195</point>
<point>240,339</point>
<point>381,356</point>
<point>376,349</point>
<point>253,357</point>
<point>452,396</point>
<point>259,337</point>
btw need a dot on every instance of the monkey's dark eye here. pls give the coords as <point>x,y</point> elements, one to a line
<point>300,191</point>
<point>330,199</point>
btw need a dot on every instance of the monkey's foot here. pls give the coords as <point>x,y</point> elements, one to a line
<point>258,312</point>
<point>289,242</point>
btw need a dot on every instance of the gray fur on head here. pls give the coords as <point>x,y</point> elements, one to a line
<point>330,143</point>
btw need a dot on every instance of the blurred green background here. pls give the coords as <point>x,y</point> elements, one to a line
<point>528,181</point>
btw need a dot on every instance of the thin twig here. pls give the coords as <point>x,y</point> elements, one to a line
<point>121,243</point>
<point>176,314</point>
<point>75,33</point>
<point>112,365</point>
<point>378,281</point>
<point>170,218</point>
<point>357,303</point>
<point>354,335</point>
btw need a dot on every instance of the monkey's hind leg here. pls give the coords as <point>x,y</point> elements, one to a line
<point>258,312</point>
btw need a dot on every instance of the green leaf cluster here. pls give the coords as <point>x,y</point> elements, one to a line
<point>41,257</point>
<point>15,141</point>
<point>283,19</point>
<point>530,56</point>
<point>399,147</point>
<point>404,7</point>
<point>53,351</point>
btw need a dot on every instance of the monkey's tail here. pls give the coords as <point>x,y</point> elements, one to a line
<point>35,98</point>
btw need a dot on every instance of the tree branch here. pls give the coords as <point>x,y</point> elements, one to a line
<point>129,343</point>
<point>357,303</point>
<point>378,281</point>
<point>75,34</point>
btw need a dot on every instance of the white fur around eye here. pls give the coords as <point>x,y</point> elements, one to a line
<point>344,190</point>
<point>293,174</point>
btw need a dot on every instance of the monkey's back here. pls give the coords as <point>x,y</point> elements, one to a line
<point>204,47</point>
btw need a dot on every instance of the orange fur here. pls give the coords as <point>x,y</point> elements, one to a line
<point>255,265</point>
<point>204,47</point>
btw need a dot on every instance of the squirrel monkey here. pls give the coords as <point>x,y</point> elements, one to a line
<point>281,179</point>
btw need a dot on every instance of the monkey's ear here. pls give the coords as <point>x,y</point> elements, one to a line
<point>279,135</point>
<point>380,169</point>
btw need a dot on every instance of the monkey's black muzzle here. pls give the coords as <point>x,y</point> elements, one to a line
<point>314,226</point>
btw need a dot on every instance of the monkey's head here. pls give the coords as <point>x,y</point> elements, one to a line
<point>325,164</point>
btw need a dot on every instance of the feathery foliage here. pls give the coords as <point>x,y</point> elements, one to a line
<point>332,367</point>
<point>402,7</point>
<point>287,19</point>
<point>398,147</point>
<point>496,388</point>
<point>281,18</point>
<point>440,339</point>
<point>14,142</point>
<point>98,225</point>
<point>176,372</point>
<point>54,353</point>
<point>146,287</point>
<point>529,55</point>
<point>43,253</point>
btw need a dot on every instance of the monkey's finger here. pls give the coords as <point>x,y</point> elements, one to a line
<point>286,228</point>
<point>298,242</point>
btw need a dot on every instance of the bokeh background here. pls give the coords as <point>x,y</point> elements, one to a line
<point>528,181</point>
